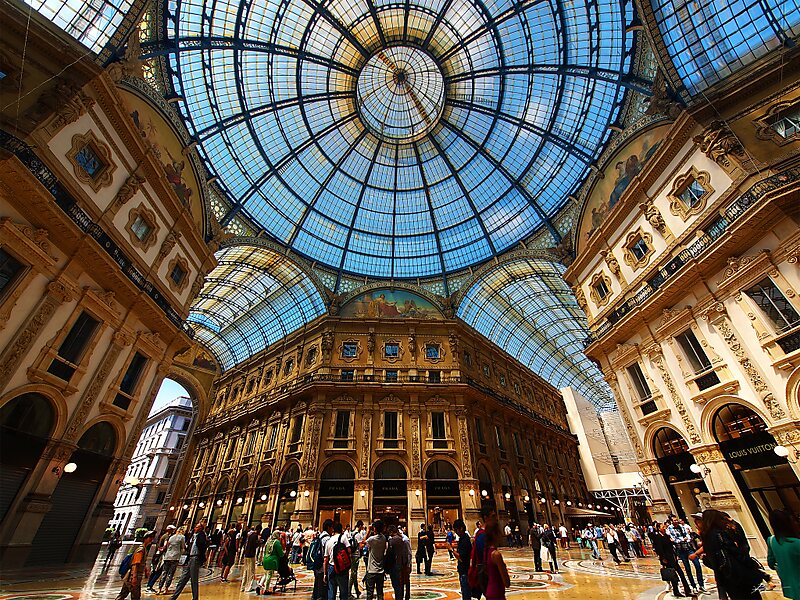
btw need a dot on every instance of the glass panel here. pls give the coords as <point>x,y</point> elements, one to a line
<point>135,369</point>
<point>774,304</point>
<point>141,228</point>
<point>639,382</point>
<point>694,351</point>
<point>88,160</point>
<point>10,269</point>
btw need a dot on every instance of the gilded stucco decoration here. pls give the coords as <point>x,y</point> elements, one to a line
<point>103,176</point>
<point>658,361</point>
<point>720,144</point>
<point>594,286</point>
<point>627,253</point>
<point>677,206</point>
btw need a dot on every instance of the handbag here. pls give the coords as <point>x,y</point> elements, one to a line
<point>544,553</point>
<point>669,574</point>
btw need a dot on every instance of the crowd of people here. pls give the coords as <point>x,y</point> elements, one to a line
<point>334,553</point>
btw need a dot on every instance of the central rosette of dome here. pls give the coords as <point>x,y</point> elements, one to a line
<point>400,93</point>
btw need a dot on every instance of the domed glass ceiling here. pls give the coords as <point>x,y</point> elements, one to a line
<point>397,139</point>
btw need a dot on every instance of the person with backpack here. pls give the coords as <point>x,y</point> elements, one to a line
<point>356,543</point>
<point>316,557</point>
<point>477,566</point>
<point>376,550</point>
<point>134,568</point>
<point>197,544</point>
<point>337,563</point>
<point>462,553</point>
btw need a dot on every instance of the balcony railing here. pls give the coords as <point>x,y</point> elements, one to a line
<point>69,205</point>
<point>733,213</point>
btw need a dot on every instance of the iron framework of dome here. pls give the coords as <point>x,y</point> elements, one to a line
<point>397,140</point>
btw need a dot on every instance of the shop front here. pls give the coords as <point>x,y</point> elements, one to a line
<point>237,500</point>
<point>390,494</point>
<point>261,498</point>
<point>442,495</point>
<point>287,497</point>
<point>216,520</point>
<point>765,479</point>
<point>675,461</point>
<point>335,498</point>
<point>488,501</point>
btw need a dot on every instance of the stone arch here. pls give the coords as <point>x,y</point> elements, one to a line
<point>287,469</point>
<point>115,422</point>
<point>332,459</point>
<point>391,459</point>
<point>222,487</point>
<point>60,410</point>
<point>192,385</point>
<point>793,393</point>
<point>713,406</point>
<point>451,462</point>
<point>650,435</point>
<point>244,476</point>
<point>264,478</point>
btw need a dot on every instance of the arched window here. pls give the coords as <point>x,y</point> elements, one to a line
<point>390,469</point>
<point>338,470</point>
<point>441,469</point>
<point>31,414</point>
<point>100,438</point>
<point>734,421</point>
<point>291,475</point>
<point>668,442</point>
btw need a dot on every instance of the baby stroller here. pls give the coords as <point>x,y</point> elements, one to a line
<point>285,575</point>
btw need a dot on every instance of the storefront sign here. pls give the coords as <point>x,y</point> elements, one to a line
<point>440,489</point>
<point>391,488</point>
<point>336,488</point>
<point>675,467</point>
<point>752,451</point>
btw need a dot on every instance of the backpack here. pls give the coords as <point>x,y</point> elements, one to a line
<point>390,558</point>
<point>316,554</point>
<point>477,575</point>
<point>341,557</point>
<point>353,544</point>
<point>126,564</point>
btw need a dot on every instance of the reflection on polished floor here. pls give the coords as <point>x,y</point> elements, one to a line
<point>580,577</point>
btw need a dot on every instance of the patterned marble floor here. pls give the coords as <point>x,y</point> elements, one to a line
<point>581,577</point>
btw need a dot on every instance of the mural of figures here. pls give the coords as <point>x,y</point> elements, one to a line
<point>618,173</point>
<point>390,304</point>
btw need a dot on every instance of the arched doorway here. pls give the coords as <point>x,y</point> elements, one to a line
<point>765,479</point>
<point>26,422</point>
<point>203,502</point>
<point>674,459</point>
<point>74,496</point>
<point>261,498</point>
<point>287,496</point>
<point>390,493</point>
<point>336,489</point>
<point>485,485</point>
<point>527,500</point>
<point>509,502</point>
<point>220,496</point>
<point>238,499</point>
<point>442,494</point>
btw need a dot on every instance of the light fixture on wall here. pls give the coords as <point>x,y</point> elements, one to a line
<point>543,500</point>
<point>527,498</point>
<point>172,508</point>
<point>471,492</point>
<point>263,497</point>
<point>783,452</point>
<point>185,506</point>
<point>202,505</point>
<point>556,502</point>
<point>239,500</point>
<point>418,493</point>
<point>293,494</point>
<point>507,496</point>
<point>306,494</point>
<point>362,493</point>
<point>484,493</point>
<point>219,502</point>
<point>569,502</point>
<point>701,470</point>
<point>70,467</point>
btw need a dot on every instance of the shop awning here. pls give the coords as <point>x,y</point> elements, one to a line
<point>571,511</point>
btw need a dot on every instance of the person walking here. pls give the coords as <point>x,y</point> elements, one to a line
<point>227,554</point>
<point>393,561</point>
<point>132,580</point>
<point>549,542</point>
<point>783,551</point>
<point>338,580</point>
<point>430,550</point>
<point>249,559</point>
<point>508,533</point>
<point>498,580</point>
<point>272,555</point>
<point>114,544</point>
<point>665,550</point>
<point>357,544</point>
<point>681,536</point>
<point>727,552</point>
<point>297,546</point>
<point>157,565</point>
<point>462,552</point>
<point>376,550</point>
<point>590,536</point>
<point>535,540</point>
<point>406,574</point>
<point>316,556</point>
<point>564,537</point>
<point>449,539</point>
<point>196,547</point>
<point>421,553</point>
<point>611,541</point>
<point>175,547</point>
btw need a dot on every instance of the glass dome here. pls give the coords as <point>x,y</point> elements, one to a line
<point>397,140</point>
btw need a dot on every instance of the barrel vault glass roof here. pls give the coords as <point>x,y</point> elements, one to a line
<point>397,139</point>
<point>253,298</point>
<point>525,307</point>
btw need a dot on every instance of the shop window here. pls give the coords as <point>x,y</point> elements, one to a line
<point>641,386</point>
<point>479,436</point>
<point>689,193</point>
<point>349,350</point>
<point>10,270</point>
<point>438,430</point>
<point>391,350</point>
<point>600,289</point>
<point>127,388</point>
<point>342,430</point>
<point>774,304</point>
<point>71,350</point>
<point>391,376</point>
<point>348,375</point>
<point>297,433</point>
<point>638,248</point>
<point>390,429</point>
<point>734,421</point>
<point>668,442</point>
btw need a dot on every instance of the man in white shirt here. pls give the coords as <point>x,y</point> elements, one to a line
<point>376,544</point>
<point>507,532</point>
<point>564,534</point>
<point>337,582</point>
<point>357,538</point>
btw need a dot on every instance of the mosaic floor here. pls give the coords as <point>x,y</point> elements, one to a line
<point>580,577</point>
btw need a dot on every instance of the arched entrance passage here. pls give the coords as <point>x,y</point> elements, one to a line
<point>336,489</point>
<point>485,485</point>
<point>74,496</point>
<point>216,520</point>
<point>203,504</point>
<point>287,497</point>
<point>26,423</point>
<point>674,460</point>
<point>527,498</point>
<point>765,479</point>
<point>390,493</point>
<point>509,501</point>
<point>261,498</point>
<point>238,499</point>
<point>443,497</point>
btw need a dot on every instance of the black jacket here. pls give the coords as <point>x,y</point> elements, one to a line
<point>202,543</point>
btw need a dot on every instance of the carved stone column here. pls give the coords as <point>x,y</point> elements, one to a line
<point>463,440</point>
<point>718,317</point>
<point>56,294</point>
<point>626,417</point>
<point>658,360</point>
<point>311,445</point>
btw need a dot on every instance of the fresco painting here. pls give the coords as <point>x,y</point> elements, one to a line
<point>390,304</point>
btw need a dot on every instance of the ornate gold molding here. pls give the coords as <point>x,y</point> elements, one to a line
<point>149,217</point>
<point>630,240</point>
<point>179,261</point>
<point>103,177</point>
<point>720,144</point>
<point>594,294</point>
<point>654,217</point>
<point>676,204</point>
<point>658,361</point>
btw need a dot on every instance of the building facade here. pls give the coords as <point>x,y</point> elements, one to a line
<point>154,464</point>
<point>688,272</point>
<point>378,413</point>
<point>100,258</point>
